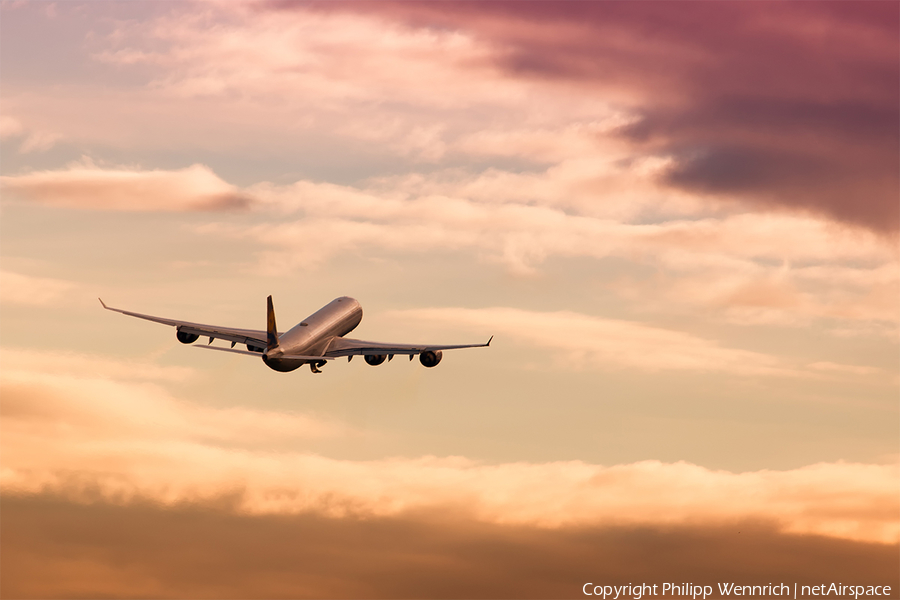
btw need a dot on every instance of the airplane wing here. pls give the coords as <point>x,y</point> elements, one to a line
<point>350,347</point>
<point>252,337</point>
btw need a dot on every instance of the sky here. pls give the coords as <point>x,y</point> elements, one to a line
<point>679,221</point>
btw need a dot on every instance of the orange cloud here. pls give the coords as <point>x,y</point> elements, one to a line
<point>84,436</point>
<point>53,548</point>
<point>117,399</point>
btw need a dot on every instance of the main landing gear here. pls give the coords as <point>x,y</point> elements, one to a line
<point>314,367</point>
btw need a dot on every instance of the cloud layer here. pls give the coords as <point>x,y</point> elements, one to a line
<point>790,108</point>
<point>98,433</point>
<point>747,267</point>
<point>54,548</point>
<point>733,152</point>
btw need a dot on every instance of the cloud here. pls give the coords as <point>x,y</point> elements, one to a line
<point>467,213</point>
<point>16,288</point>
<point>89,187</point>
<point>737,106</point>
<point>127,400</point>
<point>751,293</point>
<point>748,267</point>
<point>792,109</point>
<point>577,340</point>
<point>35,141</point>
<point>39,141</point>
<point>251,78</point>
<point>54,548</point>
<point>89,437</point>
<point>795,108</point>
<point>521,133</point>
<point>10,127</point>
<point>313,57</point>
<point>70,364</point>
<point>608,343</point>
<point>854,369</point>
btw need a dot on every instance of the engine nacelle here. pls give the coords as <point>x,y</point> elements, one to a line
<point>375,359</point>
<point>430,358</point>
<point>255,349</point>
<point>187,338</point>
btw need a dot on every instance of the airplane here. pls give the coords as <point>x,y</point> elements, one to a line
<point>314,341</point>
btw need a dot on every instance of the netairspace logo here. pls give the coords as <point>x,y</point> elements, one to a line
<point>694,591</point>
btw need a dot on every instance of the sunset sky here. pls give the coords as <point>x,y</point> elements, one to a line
<point>679,221</point>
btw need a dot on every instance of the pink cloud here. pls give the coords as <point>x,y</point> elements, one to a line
<point>39,141</point>
<point>792,105</point>
<point>790,108</point>
<point>86,186</point>
<point>10,127</point>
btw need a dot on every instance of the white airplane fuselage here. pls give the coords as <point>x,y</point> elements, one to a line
<point>314,334</point>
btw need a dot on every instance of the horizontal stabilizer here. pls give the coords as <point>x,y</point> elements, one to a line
<point>259,354</point>
<point>302,357</point>
<point>232,350</point>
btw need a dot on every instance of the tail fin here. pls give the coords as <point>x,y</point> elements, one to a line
<point>271,330</point>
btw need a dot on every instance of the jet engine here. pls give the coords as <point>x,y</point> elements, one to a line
<point>255,348</point>
<point>187,338</point>
<point>430,358</point>
<point>375,359</point>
